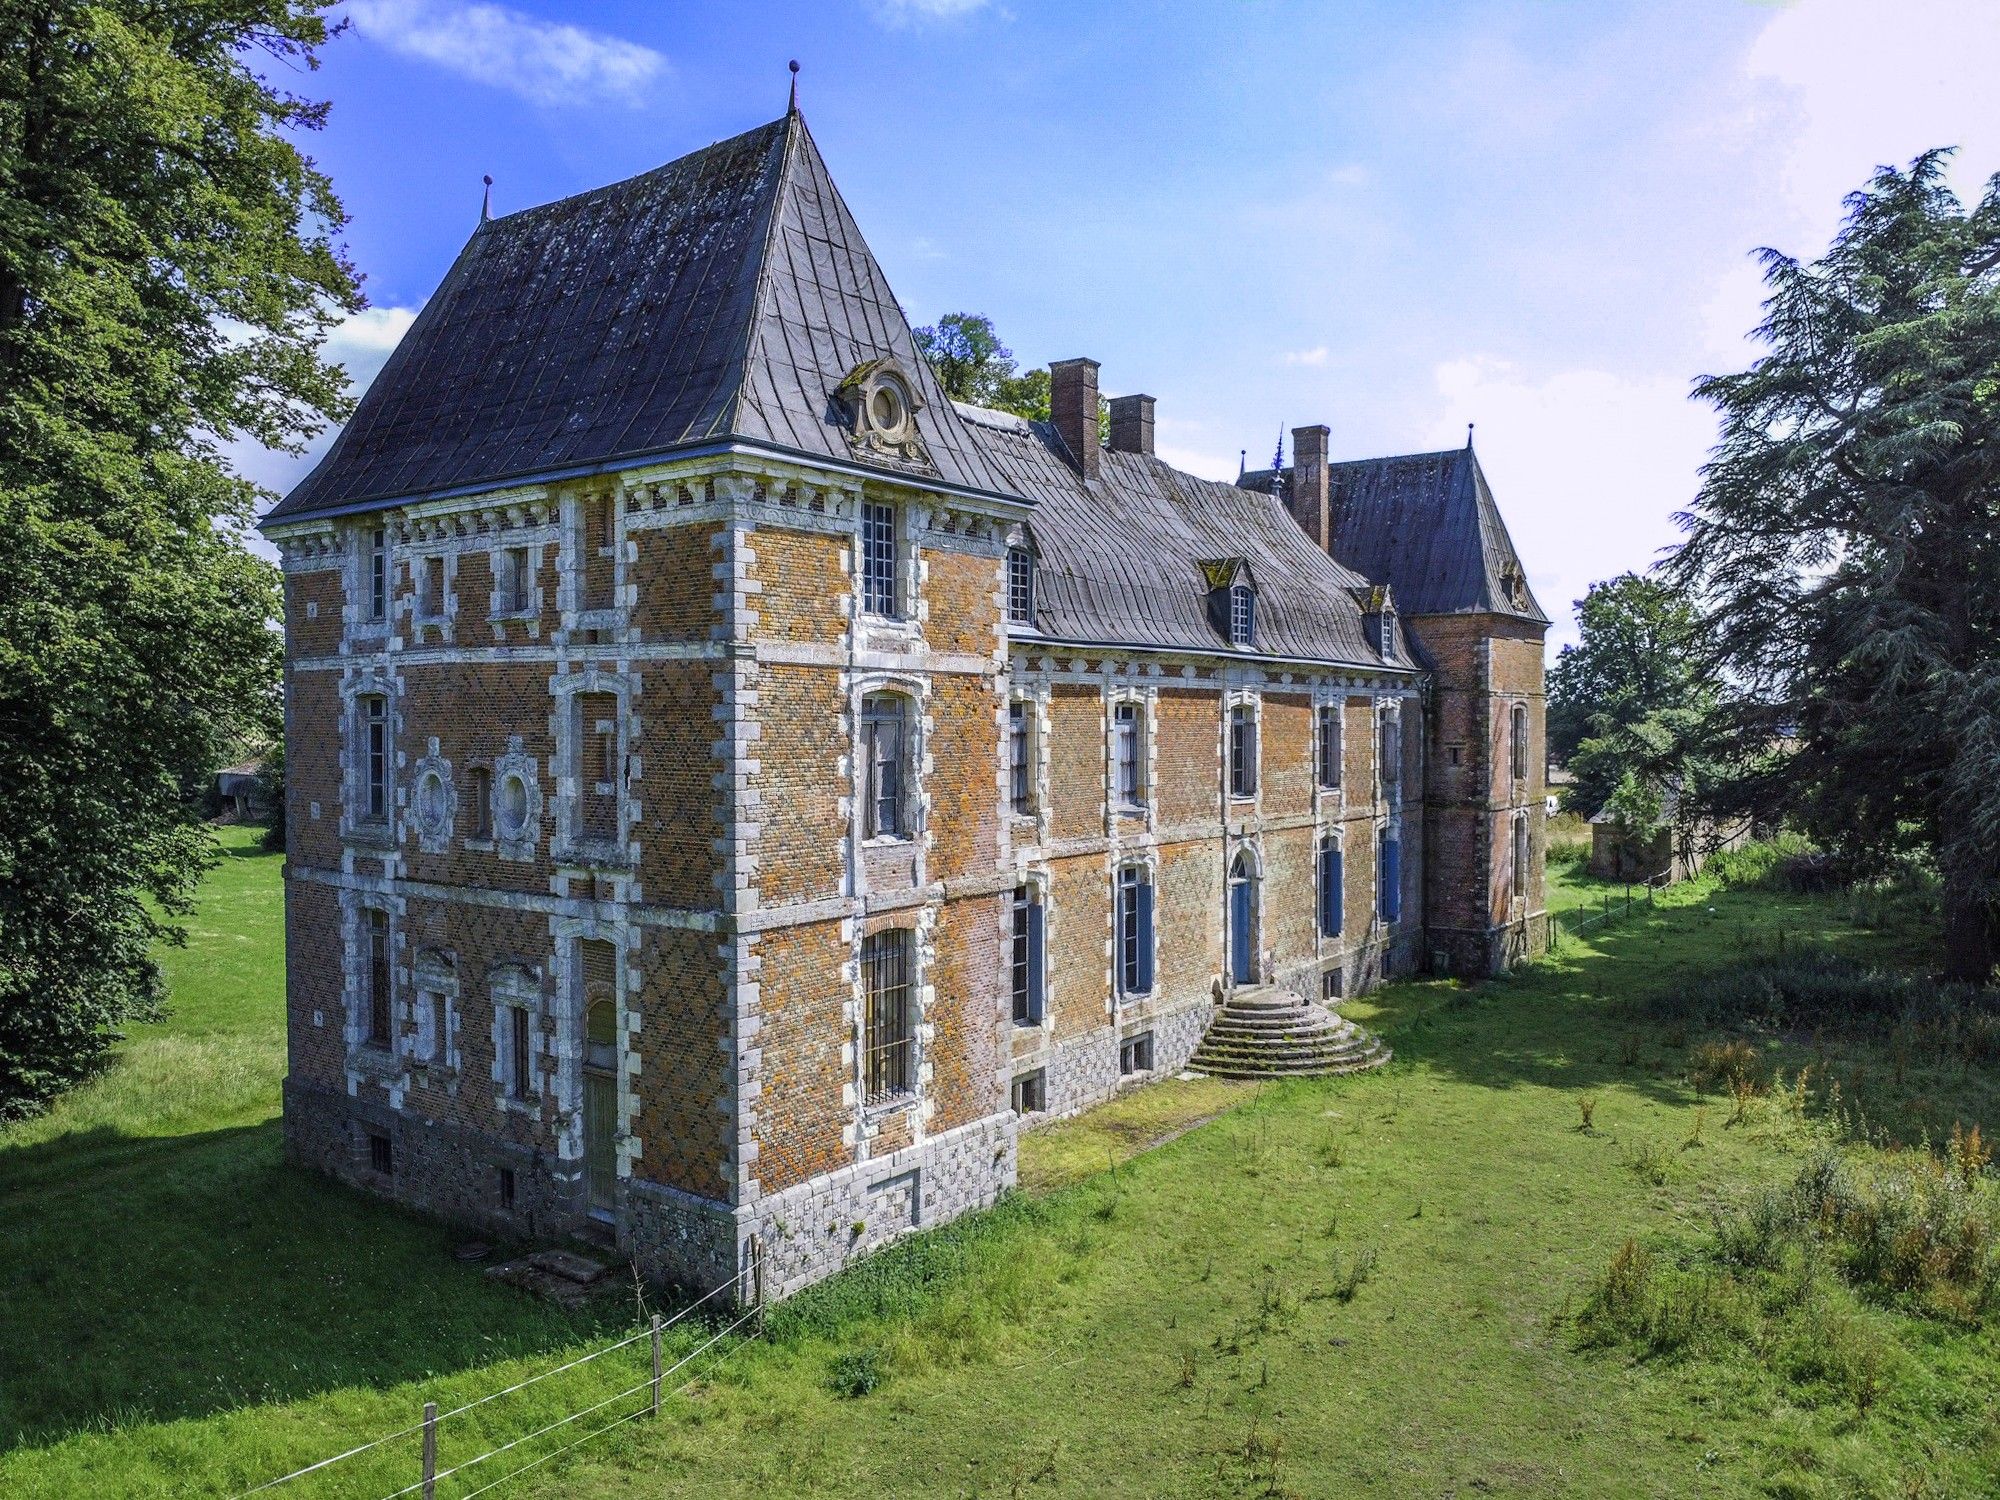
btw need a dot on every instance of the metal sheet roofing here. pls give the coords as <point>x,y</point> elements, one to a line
<point>723,295</point>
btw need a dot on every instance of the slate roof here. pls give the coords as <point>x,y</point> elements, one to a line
<point>1427,525</point>
<point>1119,560</point>
<point>721,296</point>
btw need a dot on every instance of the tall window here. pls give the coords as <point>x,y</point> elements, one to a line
<point>878,559</point>
<point>1020,586</point>
<point>1521,856</point>
<point>1392,746</point>
<point>378,977</point>
<point>1242,615</point>
<point>1386,624</point>
<point>510,594</point>
<point>885,757</point>
<point>1128,755</point>
<point>1243,750</point>
<point>1020,767</point>
<point>1329,746</point>
<point>479,790</point>
<point>1520,741</point>
<point>598,778</point>
<point>1135,931</point>
<point>889,1041</point>
<point>1332,879</point>
<point>520,1051</point>
<point>430,588</point>
<point>374,709</point>
<point>1389,875</point>
<point>1028,957</point>
<point>378,574</point>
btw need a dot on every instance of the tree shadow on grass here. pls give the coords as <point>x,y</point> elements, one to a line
<point>193,1274</point>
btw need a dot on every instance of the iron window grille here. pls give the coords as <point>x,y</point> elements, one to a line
<point>889,1040</point>
<point>1027,959</point>
<point>1135,931</point>
<point>1242,750</point>
<point>1329,746</point>
<point>1020,586</point>
<point>884,751</point>
<point>520,1051</point>
<point>1242,615</point>
<point>878,559</point>
<point>381,1157</point>
<point>1020,774</point>
<point>378,978</point>
<point>1130,779</point>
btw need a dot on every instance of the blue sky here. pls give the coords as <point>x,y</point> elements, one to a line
<point>1391,218</point>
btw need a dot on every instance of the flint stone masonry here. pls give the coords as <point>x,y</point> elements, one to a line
<point>579,924</point>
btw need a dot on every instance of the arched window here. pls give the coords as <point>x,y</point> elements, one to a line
<point>1243,965</point>
<point>1520,741</point>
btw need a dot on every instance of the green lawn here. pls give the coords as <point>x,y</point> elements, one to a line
<point>1368,1285</point>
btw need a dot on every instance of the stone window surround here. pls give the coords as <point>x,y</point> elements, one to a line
<point>359,681</point>
<point>1035,822</point>
<point>499,545</point>
<point>1392,823</point>
<point>366,1062</point>
<point>416,567</point>
<point>436,974</point>
<point>1330,799</point>
<point>361,554</point>
<point>1040,887</point>
<point>566,688</point>
<point>1252,847</point>
<point>1232,698</point>
<point>1325,945</point>
<point>1145,696</point>
<point>868,1117</point>
<point>916,759</point>
<point>571,563</point>
<point>514,765</point>
<point>1388,711</point>
<point>1148,860</point>
<point>909,521</point>
<point>570,1013</point>
<point>514,983</point>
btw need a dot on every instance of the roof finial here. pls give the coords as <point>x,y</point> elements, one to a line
<point>1242,462</point>
<point>791,105</point>
<point>486,203</point>
<point>1278,464</point>
<point>1468,437</point>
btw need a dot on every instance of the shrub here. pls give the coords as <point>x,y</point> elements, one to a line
<point>1662,1310</point>
<point>855,1372</point>
<point>1726,1064</point>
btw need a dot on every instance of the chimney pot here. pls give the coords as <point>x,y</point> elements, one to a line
<point>1132,424</point>
<point>1308,495</point>
<point>1073,411</point>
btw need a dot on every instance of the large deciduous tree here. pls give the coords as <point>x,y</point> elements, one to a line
<point>974,366</point>
<point>1846,538</point>
<point>168,272</point>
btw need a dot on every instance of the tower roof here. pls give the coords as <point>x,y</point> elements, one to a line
<point>721,296</point>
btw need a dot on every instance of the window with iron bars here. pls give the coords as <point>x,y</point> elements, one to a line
<point>1020,768</point>
<point>1027,957</point>
<point>1243,750</point>
<point>1128,756</point>
<point>889,1039</point>
<point>1020,586</point>
<point>878,560</point>
<point>375,757</point>
<point>378,978</point>
<point>1329,746</point>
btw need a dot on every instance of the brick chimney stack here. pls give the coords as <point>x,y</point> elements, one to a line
<point>1073,411</point>
<point>1132,424</point>
<point>1308,496</point>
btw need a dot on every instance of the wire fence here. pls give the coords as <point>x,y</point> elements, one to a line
<point>646,1395</point>
<point>1579,920</point>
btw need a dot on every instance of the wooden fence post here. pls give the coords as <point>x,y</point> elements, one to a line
<point>656,1364</point>
<point>430,1450</point>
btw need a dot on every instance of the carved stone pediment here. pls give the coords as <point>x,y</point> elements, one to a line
<point>880,403</point>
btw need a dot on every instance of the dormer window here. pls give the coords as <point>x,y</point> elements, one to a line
<point>1020,586</point>
<point>881,404</point>
<point>1386,624</point>
<point>1242,615</point>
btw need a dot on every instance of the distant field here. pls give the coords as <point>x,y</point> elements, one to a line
<point>1375,1285</point>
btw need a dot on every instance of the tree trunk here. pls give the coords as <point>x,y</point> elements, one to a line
<point>1968,934</point>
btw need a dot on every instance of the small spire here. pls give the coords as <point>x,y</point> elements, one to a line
<point>1468,437</point>
<point>1278,464</point>
<point>792,104</point>
<point>1242,462</point>
<point>486,204</point>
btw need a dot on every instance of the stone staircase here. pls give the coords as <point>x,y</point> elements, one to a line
<point>1263,1031</point>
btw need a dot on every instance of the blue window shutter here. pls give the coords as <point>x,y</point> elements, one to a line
<point>1145,893</point>
<point>1329,890</point>
<point>1392,883</point>
<point>1035,981</point>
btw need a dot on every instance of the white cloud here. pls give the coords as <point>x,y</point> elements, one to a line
<point>1852,84</point>
<point>1353,174</point>
<point>1313,357</point>
<point>926,10</point>
<point>1588,467</point>
<point>545,62</point>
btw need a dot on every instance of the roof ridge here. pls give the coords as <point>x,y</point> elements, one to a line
<point>604,189</point>
<point>794,127</point>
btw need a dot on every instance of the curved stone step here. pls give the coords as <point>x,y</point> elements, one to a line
<point>1266,1032</point>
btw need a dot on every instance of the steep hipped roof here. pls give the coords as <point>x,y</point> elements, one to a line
<point>1119,559</point>
<point>722,296</point>
<point>1426,524</point>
